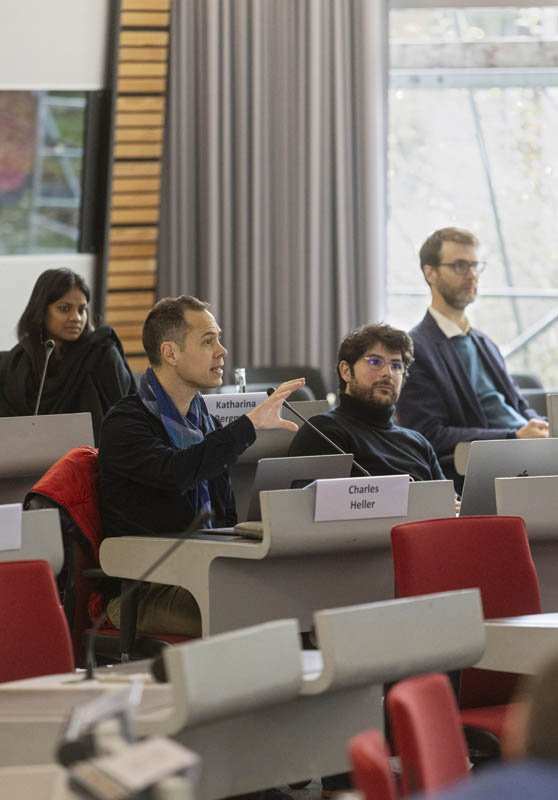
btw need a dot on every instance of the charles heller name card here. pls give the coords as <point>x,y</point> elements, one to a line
<point>227,407</point>
<point>361,498</point>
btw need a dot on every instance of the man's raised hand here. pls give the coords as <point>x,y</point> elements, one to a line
<point>266,415</point>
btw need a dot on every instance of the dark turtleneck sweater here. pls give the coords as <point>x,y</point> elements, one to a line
<point>370,434</point>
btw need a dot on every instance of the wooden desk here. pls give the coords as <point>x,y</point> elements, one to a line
<point>519,644</point>
<point>298,567</point>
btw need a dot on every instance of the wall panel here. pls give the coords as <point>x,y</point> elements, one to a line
<point>140,84</point>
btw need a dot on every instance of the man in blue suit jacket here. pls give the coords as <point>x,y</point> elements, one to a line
<point>458,388</point>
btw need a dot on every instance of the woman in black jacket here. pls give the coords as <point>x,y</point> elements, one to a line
<point>86,372</point>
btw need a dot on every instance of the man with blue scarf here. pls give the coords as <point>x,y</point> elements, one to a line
<point>163,457</point>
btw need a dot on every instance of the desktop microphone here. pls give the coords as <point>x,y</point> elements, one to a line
<point>49,346</point>
<point>365,472</point>
<point>198,522</point>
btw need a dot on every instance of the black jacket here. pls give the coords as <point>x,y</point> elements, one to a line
<point>146,485</point>
<point>378,445</point>
<point>92,376</point>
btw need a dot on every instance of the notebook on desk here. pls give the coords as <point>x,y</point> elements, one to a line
<point>293,473</point>
<point>503,458</point>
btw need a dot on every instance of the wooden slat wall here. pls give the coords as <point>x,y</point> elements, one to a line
<point>135,190</point>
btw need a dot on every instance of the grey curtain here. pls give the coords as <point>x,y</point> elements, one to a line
<point>274,203</point>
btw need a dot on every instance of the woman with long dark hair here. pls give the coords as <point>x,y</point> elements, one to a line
<point>87,370</point>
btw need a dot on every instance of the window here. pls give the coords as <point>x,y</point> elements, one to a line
<point>41,154</point>
<point>473,125</point>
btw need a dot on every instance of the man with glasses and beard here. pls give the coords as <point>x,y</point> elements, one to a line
<point>372,366</point>
<point>459,389</point>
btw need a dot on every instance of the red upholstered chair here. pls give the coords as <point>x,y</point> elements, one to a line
<point>426,729</point>
<point>491,553</point>
<point>35,637</point>
<point>71,486</point>
<point>371,770</point>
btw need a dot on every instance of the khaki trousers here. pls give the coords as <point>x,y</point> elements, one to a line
<point>162,609</point>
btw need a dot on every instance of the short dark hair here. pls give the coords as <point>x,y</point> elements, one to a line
<point>51,285</point>
<point>358,341</point>
<point>430,251</point>
<point>165,322</point>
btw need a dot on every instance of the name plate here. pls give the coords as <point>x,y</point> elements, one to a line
<point>228,407</point>
<point>358,498</point>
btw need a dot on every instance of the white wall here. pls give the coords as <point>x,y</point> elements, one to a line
<point>60,44</point>
<point>47,45</point>
<point>18,276</point>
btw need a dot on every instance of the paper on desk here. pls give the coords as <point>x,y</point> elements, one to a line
<point>312,663</point>
<point>10,526</point>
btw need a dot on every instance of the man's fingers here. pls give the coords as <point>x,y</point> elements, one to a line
<point>288,425</point>
<point>289,386</point>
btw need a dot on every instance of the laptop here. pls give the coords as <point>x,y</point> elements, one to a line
<point>503,458</point>
<point>30,445</point>
<point>294,472</point>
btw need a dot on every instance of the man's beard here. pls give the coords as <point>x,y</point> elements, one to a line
<point>454,298</point>
<point>367,395</point>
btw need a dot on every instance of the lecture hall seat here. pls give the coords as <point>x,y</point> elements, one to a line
<point>35,635</point>
<point>491,553</point>
<point>427,734</point>
<point>371,769</point>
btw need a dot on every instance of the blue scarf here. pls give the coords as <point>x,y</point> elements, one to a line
<point>183,431</point>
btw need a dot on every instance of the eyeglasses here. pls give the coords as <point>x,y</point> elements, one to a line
<point>462,267</point>
<point>379,362</point>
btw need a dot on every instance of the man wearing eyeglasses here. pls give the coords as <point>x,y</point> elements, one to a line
<point>372,366</point>
<point>459,389</point>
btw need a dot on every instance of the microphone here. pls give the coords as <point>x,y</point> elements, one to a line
<point>49,346</point>
<point>365,472</point>
<point>198,522</point>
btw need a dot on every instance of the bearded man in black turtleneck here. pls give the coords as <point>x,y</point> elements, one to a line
<point>372,365</point>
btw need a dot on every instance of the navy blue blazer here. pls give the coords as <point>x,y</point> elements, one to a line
<point>521,780</point>
<point>438,398</point>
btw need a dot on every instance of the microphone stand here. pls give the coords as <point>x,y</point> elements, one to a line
<point>363,471</point>
<point>198,522</point>
<point>49,347</point>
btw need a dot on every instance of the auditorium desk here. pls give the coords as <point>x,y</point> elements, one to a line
<point>299,566</point>
<point>520,644</point>
<point>243,701</point>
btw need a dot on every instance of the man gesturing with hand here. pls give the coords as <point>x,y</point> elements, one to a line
<point>163,457</point>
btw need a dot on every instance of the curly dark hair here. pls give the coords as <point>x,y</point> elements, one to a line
<point>165,322</point>
<point>358,341</point>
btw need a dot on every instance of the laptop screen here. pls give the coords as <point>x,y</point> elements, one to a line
<point>503,458</point>
<point>292,473</point>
